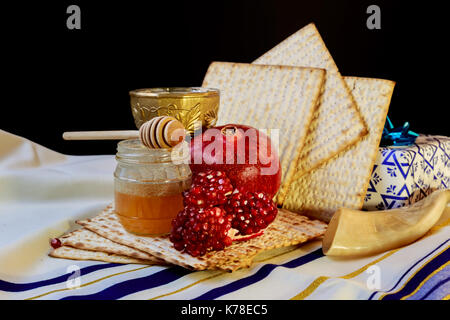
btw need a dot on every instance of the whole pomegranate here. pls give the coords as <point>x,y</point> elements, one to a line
<point>244,153</point>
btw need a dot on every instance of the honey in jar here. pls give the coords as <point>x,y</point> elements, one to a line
<point>148,186</point>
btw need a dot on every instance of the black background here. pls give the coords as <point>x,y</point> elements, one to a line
<point>57,80</point>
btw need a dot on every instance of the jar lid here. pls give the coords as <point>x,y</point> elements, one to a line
<point>175,92</point>
<point>133,151</point>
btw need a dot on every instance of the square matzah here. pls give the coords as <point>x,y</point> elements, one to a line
<point>343,181</point>
<point>337,123</point>
<point>82,244</point>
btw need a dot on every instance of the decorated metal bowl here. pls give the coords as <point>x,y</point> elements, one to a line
<point>195,107</point>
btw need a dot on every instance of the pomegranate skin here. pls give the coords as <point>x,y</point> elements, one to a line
<point>246,156</point>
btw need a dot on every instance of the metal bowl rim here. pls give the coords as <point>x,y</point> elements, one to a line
<point>164,92</point>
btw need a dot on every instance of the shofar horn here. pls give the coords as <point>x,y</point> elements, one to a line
<point>359,233</point>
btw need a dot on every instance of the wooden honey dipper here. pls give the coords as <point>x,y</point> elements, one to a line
<point>158,132</point>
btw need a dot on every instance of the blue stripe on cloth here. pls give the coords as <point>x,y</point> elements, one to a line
<point>429,283</point>
<point>435,288</point>
<point>263,272</point>
<point>19,287</point>
<point>414,282</point>
<point>125,288</point>
<point>407,271</point>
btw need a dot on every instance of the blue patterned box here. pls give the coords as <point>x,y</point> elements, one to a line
<point>404,175</point>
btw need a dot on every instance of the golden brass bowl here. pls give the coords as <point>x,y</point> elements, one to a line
<point>189,105</point>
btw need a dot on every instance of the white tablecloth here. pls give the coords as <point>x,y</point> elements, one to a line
<point>43,192</point>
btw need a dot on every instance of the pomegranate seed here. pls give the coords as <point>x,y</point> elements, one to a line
<point>55,243</point>
<point>228,241</point>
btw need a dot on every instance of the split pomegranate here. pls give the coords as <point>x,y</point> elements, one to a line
<point>208,189</point>
<point>199,230</point>
<point>214,215</point>
<point>251,211</point>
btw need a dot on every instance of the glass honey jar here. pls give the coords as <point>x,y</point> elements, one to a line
<point>148,186</point>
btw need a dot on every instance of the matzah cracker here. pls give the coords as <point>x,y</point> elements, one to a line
<point>343,181</point>
<point>88,240</point>
<point>66,252</point>
<point>337,123</point>
<point>288,229</point>
<point>269,97</point>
